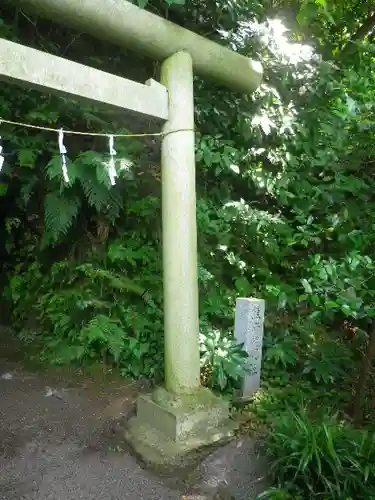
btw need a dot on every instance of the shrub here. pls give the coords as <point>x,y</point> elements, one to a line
<point>322,458</point>
<point>224,363</point>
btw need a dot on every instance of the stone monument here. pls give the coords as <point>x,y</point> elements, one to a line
<point>248,330</point>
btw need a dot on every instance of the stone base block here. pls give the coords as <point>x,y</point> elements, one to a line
<point>168,428</point>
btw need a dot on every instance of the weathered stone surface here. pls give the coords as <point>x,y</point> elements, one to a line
<point>169,429</point>
<point>49,73</point>
<point>124,24</point>
<point>248,330</point>
<point>180,258</point>
<point>181,416</point>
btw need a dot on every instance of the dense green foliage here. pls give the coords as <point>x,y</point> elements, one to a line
<point>322,459</point>
<point>285,210</point>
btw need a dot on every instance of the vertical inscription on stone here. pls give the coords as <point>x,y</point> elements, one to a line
<point>248,330</point>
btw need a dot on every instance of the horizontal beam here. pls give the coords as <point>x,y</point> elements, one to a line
<point>23,65</point>
<point>125,24</point>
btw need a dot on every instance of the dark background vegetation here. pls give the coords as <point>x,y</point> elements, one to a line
<point>286,211</point>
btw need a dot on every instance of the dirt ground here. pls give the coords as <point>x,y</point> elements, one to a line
<point>60,439</point>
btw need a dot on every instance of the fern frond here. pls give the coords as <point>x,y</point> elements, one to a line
<point>111,280</point>
<point>89,169</point>
<point>54,171</point>
<point>88,164</point>
<point>60,212</point>
<point>115,206</point>
<point>97,195</point>
<point>104,198</point>
<point>105,331</point>
<point>28,189</point>
<point>102,175</point>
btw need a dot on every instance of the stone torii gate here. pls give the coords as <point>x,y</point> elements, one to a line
<point>182,416</point>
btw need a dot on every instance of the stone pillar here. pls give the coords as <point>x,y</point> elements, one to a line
<point>177,419</point>
<point>248,330</point>
<point>180,262</point>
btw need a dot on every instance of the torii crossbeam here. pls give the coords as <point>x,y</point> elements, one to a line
<point>182,416</point>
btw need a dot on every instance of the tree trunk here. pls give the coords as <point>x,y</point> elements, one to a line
<point>363,377</point>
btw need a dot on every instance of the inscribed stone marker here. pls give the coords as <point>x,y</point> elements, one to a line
<point>248,330</point>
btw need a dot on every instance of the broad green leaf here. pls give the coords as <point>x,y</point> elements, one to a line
<point>243,286</point>
<point>306,285</point>
<point>283,299</point>
<point>315,300</point>
<point>330,304</point>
